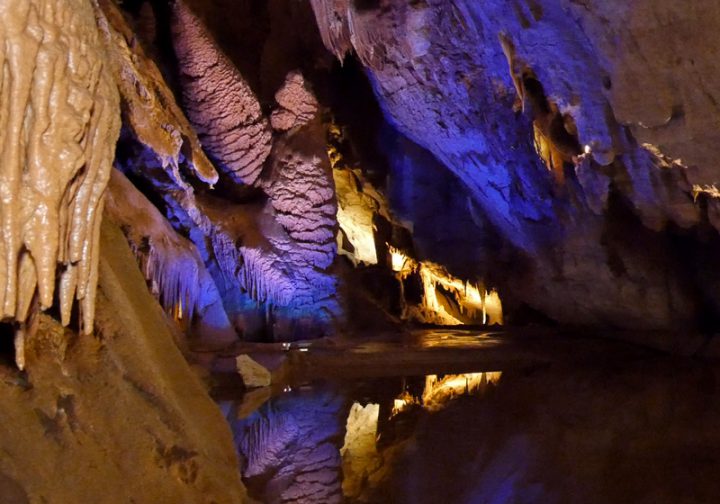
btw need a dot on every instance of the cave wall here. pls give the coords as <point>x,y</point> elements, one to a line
<point>479,84</point>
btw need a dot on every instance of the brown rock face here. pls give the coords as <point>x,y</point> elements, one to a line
<point>218,101</point>
<point>60,124</point>
<point>118,417</point>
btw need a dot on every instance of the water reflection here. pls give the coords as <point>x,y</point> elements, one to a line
<point>642,432</point>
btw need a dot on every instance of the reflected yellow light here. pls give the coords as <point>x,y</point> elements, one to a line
<point>438,392</point>
<point>403,402</point>
<point>359,452</point>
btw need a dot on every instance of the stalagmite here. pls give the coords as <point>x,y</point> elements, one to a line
<point>302,193</point>
<point>277,252</point>
<point>218,101</point>
<point>59,110</point>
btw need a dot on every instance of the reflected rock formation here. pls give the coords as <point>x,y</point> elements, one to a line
<point>290,448</point>
<point>630,434</point>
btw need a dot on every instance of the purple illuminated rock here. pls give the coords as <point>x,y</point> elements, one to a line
<point>220,104</point>
<point>470,81</point>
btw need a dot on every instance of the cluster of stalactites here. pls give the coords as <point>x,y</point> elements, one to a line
<point>471,302</point>
<point>169,262</point>
<point>60,116</point>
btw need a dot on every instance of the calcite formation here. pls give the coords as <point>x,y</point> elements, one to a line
<point>150,112</point>
<point>297,105</point>
<point>59,109</point>
<point>220,104</point>
<point>302,193</point>
<point>175,272</point>
<point>273,253</point>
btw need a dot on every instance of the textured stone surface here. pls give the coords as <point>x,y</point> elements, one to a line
<point>171,264</point>
<point>302,193</point>
<point>218,101</point>
<point>473,82</point>
<point>253,374</point>
<point>115,417</point>
<point>59,109</point>
<point>290,448</point>
<point>149,108</point>
<point>267,258</point>
<point>297,105</point>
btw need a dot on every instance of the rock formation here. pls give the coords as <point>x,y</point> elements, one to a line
<point>478,84</point>
<point>302,193</point>
<point>60,123</point>
<point>222,107</point>
<point>171,264</point>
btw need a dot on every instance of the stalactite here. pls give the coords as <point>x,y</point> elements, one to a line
<point>169,262</point>
<point>218,101</point>
<point>302,193</point>
<point>59,110</point>
<point>150,111</point>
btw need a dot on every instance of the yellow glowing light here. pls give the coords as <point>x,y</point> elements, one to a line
<point>403,402</point>
<point>178,311</point>
<point>492,308</point>
<point>472,295</point>
<point>397,260</point>
<point>550,155</point>
<point>709,190</point>
<point>361,459</point>
<point>472,304</point>
<point>446,299</point>
<point>355,215</point>
<point>438,392</point>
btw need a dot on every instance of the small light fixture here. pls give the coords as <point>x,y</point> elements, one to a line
<point>588,149</point>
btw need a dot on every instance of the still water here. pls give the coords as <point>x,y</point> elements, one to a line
<point>644,429</point>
